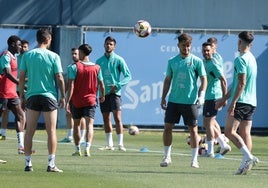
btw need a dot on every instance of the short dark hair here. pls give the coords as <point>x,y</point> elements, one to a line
<point>42,35</point>
<point>24,42</point>
<point>13,40</point>
<point>85,48</point>
<point>73,49</point>
<point>109,38</point>
<point>185,38</point>
<point>213,40</point>
<point>246,36</point>
<point>206,44</point>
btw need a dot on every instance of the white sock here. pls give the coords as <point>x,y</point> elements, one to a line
<point>83,133</point>
<point>242,164</point>
<point>28,161</point>
<point>77,148</point>
<point>70,133</point>
<point>109,139</point>
<point>194,154</point>
<point>88,145</point>
<point>221,141</point>
<point>210,146</point>
<point>167,151</point>
<point>20,136</point>
<point>3,132</point>
<point>51,160</point>
<point>120,139</point>
<point>246,152</point>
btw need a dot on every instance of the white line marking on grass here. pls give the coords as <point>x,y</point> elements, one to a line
<point>149,151</point>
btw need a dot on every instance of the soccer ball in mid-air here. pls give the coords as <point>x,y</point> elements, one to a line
<point>142,28</point>
<point>133,130</point>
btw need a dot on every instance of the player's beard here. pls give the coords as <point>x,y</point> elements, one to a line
<point>185,53</point>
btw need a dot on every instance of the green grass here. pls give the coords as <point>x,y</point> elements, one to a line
<point>115,169</point>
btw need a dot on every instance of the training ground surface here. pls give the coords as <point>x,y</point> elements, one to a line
<point>132,168</point>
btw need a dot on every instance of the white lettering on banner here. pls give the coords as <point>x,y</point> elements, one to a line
<point>228,69</point>
<point>166,48</point>
<point>148,93</point>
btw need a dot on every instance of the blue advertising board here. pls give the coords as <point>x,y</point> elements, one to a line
<point>147,59</point>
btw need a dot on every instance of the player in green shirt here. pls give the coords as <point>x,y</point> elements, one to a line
<point>243,102</point>
<point>182,73</point>
<point>216,88</point>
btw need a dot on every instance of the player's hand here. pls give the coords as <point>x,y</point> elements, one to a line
<point>62,103</point>
<point>220,103</point>
<point>163,104</point>
<point>201,99</point>
<point>200,102</point>
<point>113,89</point>
<point>102,99</point>
<point>231,109</point>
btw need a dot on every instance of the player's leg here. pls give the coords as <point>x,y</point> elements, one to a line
<point>32,119</point>
<point>107,124</point>
<point>108,129</point>
<point>83,130</point>
<point>244,131</point>
<point>167,143</point>
<point>210,134</point>
<point>77,136</point>
<point>5,119</point>
<point>89,133</point>
<point>50,118</point>
<point>116,103</point>
<point>230,131</point>
<point>221,139</point>
<point>172,116</point>
<point>69,127</point>
<point>119,129</point>
<point>20,119</point>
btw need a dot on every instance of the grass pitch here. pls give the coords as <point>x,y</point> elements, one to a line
<point>133,168</point>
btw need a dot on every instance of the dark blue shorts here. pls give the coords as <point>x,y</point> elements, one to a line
<point>209,108</point>
<point>112,102</point>
<point>88,111</point>
<point>8,103</point>
<point>244,111</point>
<point>41,103</point>
<point>189,113</point>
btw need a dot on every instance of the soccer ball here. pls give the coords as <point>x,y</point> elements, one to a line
<point>133,130</point>
<point>142,28</point>
<point>203,148</point>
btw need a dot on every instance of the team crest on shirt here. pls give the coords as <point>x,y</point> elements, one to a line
<point>189,64</point>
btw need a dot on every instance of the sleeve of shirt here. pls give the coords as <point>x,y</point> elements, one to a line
<point>240,65</point>
<point>126,73</point>
<point>58,67</point>
<point>218,71</point>
<point>22,65</point>
<point>100,77</point>
<point>169,70</point>
<point>5,62</point>
<point>72,71</point>
<point>201,68</point>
